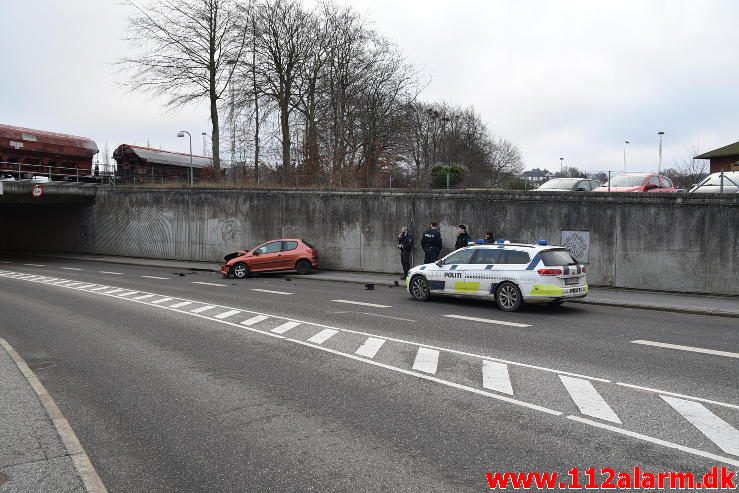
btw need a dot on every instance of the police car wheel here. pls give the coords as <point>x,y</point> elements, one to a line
<point>241,271</point>
<point>420,289</point>
<point>303,267</point>
<point>508,297</point>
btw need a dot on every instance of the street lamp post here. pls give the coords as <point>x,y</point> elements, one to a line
<point>626,143</point>
<point>659,164</point>
<point>561,165</point>
<point>182,133</point>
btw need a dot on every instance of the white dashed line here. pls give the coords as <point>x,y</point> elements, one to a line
<point>145,297</point>
<point>154,277</point>
<point>114,291</point>
<point>323,336</point>
<point>202,309</point>
<point>5,262</point>
<point>210,283</point>
<point>713,352</point>
<point>35,265</point>
<point>254,320</point>
<point>101,288</point>
<point>270,291</point>
<point>156,302</point>
<point>495,377</point>
<point>70,268</point>
<point>370,347</point>
<point>674,394</point>
<point>362,303</point>
<point>227,314</point>
<point>588,400</point>
<point>109,272</point>
<point>181,304</point>
<point>716,429</point>
<point>488,321</point>
<point>426,360</point>
<point>129,293</point>
<point>281,329</point>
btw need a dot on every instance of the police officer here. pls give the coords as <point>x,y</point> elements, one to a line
<point>405,245</point>
<point>489,238</point>
<point>463,238</point>
<point>431,244</point>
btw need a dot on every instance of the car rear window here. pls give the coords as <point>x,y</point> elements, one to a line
<point>515,257</point>
<point>557,257</point>
<point>307,244</point>
<point>487,256</point>
<point>289,245</point>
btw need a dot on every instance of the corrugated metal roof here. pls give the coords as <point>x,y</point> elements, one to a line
<point>729,150</point>
<point>158,156</point>
<point>40,140</point>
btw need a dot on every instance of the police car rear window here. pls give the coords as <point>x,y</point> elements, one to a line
<point>514,257</point>
<point>557,257</point>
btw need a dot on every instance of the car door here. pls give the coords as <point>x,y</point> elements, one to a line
<point>290,254</point>
<point>479,278</point>
<point>653,185</point>
<point>267,256</point>
<point>453,269</point>
<point>667,185</point>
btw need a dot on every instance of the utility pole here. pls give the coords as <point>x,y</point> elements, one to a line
<point>205,145</point>
<point>626,143</point>
<point>659,164</point>
<point>561,165</point>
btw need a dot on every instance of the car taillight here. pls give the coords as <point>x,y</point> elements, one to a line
<point>549,272</point>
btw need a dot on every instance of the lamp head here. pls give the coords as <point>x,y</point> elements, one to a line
<point>180,134</point>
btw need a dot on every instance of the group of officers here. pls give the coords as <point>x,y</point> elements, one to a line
<point>431,244</point>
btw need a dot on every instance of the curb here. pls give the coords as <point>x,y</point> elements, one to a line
<point>82,464</point>
<point>660,308</point>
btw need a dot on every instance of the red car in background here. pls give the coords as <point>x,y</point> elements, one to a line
<point>274,255</point>
<point>639,182</point>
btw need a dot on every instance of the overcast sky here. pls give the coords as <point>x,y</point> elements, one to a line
<point>565,78</point>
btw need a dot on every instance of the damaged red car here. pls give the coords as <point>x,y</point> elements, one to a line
<point>287,254</point>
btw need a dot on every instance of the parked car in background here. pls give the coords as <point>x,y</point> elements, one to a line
<point>7,177</point>
<point>274,255</point>
<point>639,182</point>
<point>726,182</point>
<point>569,185</point>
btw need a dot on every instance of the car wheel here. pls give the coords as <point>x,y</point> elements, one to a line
<point>508,297</point>
<point>303,267</point>
<point>420,288</point>
<point>241,271</point>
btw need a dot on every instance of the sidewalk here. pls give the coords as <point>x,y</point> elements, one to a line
<point>699,304</point>
<point>37,453</point>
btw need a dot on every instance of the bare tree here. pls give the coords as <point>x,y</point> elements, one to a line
<point>692,170</point>
<point>184,49</point>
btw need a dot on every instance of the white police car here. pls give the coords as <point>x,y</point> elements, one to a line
<point>510,273</point>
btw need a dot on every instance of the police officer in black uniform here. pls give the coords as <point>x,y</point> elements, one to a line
<point>431,244</point>
<point>463,238</point>
<point>405,245</point>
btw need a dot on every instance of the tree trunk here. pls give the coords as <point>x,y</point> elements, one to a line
<point>285,128</point>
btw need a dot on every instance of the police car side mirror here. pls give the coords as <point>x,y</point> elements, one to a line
<point>439,263</point>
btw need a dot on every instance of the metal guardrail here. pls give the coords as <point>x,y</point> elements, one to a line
<point>26,171</point>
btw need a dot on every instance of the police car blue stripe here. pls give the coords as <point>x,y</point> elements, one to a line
<point>452,267</point>
<point>489,267</point>
<point>437,285</point>
<point>532,265</point>
<point>422,267</point>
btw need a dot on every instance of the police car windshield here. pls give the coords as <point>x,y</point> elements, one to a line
<point>557,257</point>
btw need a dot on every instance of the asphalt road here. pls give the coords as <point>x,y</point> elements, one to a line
<point>315,394</point>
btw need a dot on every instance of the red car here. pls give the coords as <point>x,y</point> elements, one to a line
<point>639,182</point>
<point>274,255</point>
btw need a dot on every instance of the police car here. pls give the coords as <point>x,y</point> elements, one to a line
<point>510,273</point>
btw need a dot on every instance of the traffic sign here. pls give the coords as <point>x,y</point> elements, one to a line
<point>37,191</point>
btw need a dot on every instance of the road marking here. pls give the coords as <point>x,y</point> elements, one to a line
<point>109,272</point>
<point>154,277</point>
<point>202,309</point>
<point>588,400</point>
<point>129,293</point>
<point>270,291</point>
<point>113,291</point>
<point>323,336</point>
<point>488,321</point>
<point>281,329</point>
<point>156,302</point>
<point>70,268</point>
<point>35,265</point>
<point>370,347</point>
<point>426,360</point>
<point>675,394</point>
<point>716,429</point>
<point>495,377</point>
<point>5,262</point>
<point>687,348</point>
<point>88,286</point>
<point>210,283</point>
<point>382,316</point>
<point>181,304</point>
<point>144,297</point>
<point>254,320</point>
<point>227,314</point>
<point>103,287</point>
<point>361,303</point>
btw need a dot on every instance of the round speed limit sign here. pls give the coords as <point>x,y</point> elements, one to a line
<point>37,191</point>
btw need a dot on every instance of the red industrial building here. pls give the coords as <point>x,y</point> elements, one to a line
<point>136,164</point>
<point>25,152</point>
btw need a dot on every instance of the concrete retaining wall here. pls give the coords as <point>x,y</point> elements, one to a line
<point>650,241</point>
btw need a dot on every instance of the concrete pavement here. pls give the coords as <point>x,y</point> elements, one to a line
<point>39,452</point>
<point>699,304</point>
